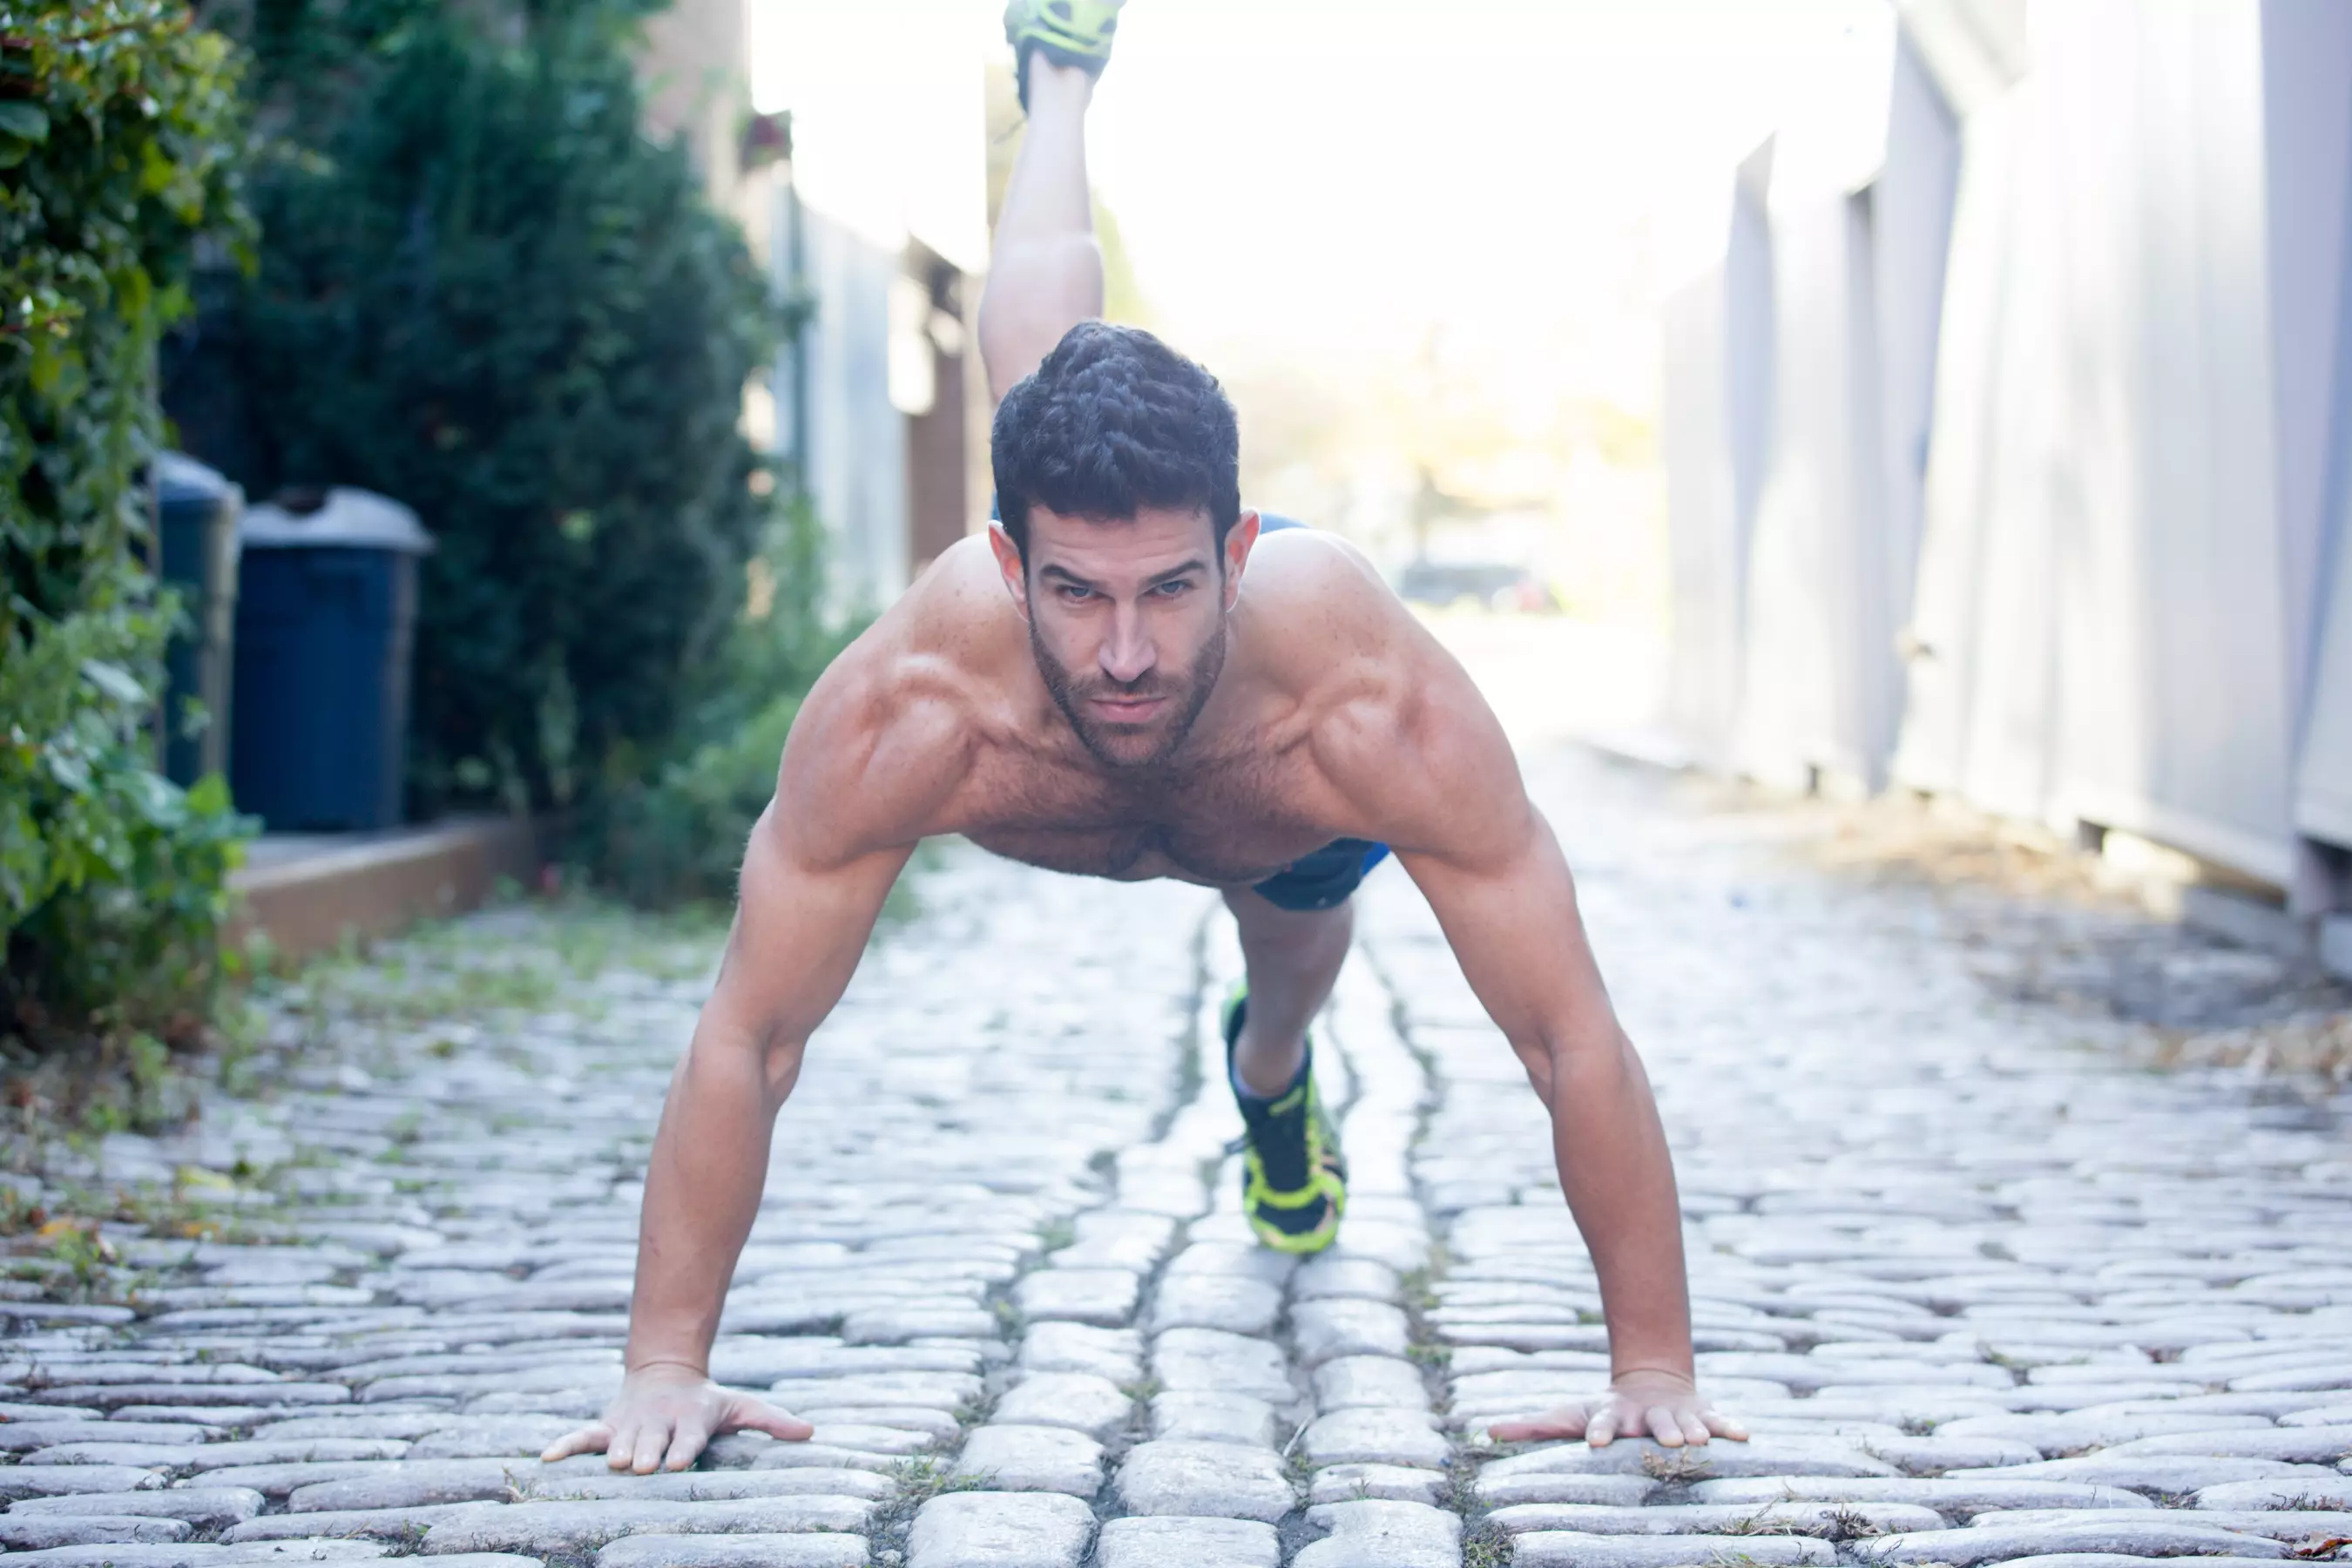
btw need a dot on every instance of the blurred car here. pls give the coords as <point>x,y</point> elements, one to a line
<point>1489,585</point>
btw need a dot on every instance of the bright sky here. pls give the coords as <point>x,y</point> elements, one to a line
<point>1286,168</point>
<point>1341,193</point>
<point>1294,175</point>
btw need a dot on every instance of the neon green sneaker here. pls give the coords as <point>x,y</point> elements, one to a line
<point>1294,1176</point>
<point>1066,32</point>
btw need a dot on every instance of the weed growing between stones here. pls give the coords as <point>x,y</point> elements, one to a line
<point>919,1480</point>
<point>1484,1543</point>
<point>1418,1294</point>
<point>406,1543</point>
<point>1674,1467</point>
<point>1487,1544</point>
<point>1760,1524</point>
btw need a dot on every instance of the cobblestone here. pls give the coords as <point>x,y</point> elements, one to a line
<point>999,1529</point>
<point>2124,1535</point>
<point>1391,1534</point>
<point>1567,1549</point>
<point>33,1533</point>
<point>1034,1460</point>
<point>1188,1543</point>
<point>204,1508</point>
<point>729,1552</point>
<point>1209,1480</point>
<point>1985,1293</point>
<point>1083,1402</point>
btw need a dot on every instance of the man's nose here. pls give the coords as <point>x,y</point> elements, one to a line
<point>1128,653</point>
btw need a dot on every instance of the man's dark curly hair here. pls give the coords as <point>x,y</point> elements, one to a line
<point>1115,420</point>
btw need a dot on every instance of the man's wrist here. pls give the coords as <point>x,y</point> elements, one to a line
<point>695,1366</point>
<point>1684,1373</point>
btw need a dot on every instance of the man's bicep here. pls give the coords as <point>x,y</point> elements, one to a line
<point>799,931</point>
<point>1512,920</point>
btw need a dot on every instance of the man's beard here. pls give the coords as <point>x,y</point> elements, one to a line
<point>1188,694</point>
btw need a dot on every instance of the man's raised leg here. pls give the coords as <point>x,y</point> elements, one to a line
<point>1045,274</point>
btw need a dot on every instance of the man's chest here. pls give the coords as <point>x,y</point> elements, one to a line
<point>1224,826</point>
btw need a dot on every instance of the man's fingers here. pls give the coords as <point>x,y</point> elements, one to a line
<point>653,1441</point>
<point>1568,1421</point>
<point>637,1445</point>
<point>1694,1427</point>
<point>1723,1425</point>
<point>751,1415</point>
<point>1526,1431</point>
<point>1663,1424</point>
<point>587,1441</point>
<point>685,1444</point>
<point>1602,1428</point>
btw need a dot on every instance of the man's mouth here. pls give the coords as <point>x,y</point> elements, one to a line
<point>1127,709</point>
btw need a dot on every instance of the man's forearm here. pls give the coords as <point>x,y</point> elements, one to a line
<point>1619,1179</point>
<point>708,1167</point>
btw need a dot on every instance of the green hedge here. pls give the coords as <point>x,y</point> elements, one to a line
<point>483,292</point>
<point>120,145</point>
<point>675,833</point>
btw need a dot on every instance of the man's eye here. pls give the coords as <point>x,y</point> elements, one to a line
<point>1170,590</point>
<point>1072,593</point>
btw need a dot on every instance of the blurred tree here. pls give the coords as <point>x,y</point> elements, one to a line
<point>119,144</point>
<point>484,292</point>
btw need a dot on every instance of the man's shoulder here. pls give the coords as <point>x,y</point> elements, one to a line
<point>1396,727</point>
<point>1313,597</point>
<point>1326,629</point>
<point>888,732</point>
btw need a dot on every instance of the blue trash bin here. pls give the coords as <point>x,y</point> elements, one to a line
<point>326,619</point>
<point>196,550</point>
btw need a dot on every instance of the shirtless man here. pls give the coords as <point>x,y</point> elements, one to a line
<point>1131,677</point>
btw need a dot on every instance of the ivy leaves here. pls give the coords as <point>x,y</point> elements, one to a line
<point>120,146</point>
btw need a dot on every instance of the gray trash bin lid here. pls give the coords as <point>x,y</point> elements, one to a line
<point>179,476</point>
<point>349,517</point>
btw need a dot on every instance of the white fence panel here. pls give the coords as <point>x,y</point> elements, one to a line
<point>1815,618</point>
<point>2173,699</point>
<point>1702,522</point>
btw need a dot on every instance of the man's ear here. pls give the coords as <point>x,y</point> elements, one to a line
<point>1009,564</point>
<point>1239,541</point>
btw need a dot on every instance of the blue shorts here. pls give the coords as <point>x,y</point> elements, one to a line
<point>1324,879</point>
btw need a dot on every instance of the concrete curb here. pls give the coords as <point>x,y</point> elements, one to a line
<point>307,903</point>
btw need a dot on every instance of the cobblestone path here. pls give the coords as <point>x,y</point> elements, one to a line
<point>1984,1294</point>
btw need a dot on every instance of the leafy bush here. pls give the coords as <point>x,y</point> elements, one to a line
<point>676,835</point>
<point>119,144</point>
<point>485,293</point>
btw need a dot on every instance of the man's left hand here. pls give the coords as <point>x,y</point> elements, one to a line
<point>1660,1405</point>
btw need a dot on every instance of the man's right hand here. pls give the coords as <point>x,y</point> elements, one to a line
<point>664,1415</point>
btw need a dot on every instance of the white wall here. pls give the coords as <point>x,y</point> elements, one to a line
<point>2173,677</point>
<point>1813,695</point>
<point>2308,76</point>
<point>1703,525</point>
<point>1862,189</point>
<point>2136,467</point>
<point>1979,720</point>
<point>1715,426</point>
<point>856,465</point>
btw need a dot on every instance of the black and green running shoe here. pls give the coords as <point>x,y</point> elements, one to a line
<point>1066,32</point>
<point>1294,1176</point>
